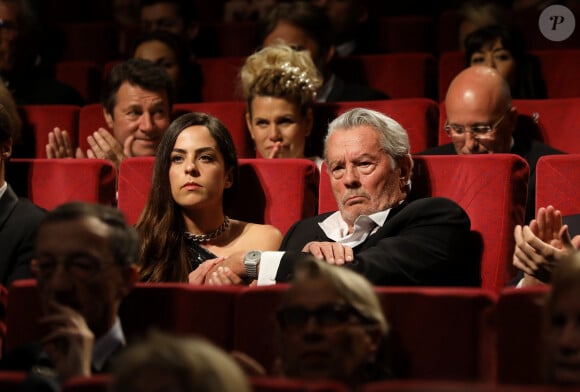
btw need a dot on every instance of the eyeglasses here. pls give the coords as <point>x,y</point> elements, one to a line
<point>79,267</point>
<point>330,315</point>
<point>478,131</point>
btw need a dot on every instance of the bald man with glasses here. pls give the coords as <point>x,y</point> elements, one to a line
<point>482,120</point>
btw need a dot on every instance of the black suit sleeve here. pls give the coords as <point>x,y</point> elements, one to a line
<point>425,243</point>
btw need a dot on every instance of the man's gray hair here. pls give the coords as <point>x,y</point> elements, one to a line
<point>393,137</point>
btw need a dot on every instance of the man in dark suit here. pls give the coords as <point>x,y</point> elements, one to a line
<point>376,232</point>
<point>482,120</point>
<point>19,218</point>
<point>304,26</point>
<point>84,263</point>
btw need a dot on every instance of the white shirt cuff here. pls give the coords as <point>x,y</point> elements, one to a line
<point>269,263</point>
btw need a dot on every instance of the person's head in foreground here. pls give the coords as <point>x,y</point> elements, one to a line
<point>279,86</point>
<point>480,115</point>
<point>368,161</point>
<point>164,363</point>
<point>332,326</point>
<point>84,260</point>
<point>563,323</point>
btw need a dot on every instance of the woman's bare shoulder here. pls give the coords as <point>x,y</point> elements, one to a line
<point>263,237</point>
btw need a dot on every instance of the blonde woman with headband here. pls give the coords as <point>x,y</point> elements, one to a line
<point>279,86</point>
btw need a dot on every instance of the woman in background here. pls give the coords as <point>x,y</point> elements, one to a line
<point>279,86</point>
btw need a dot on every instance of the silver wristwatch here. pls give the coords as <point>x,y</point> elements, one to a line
<point>251,262</point>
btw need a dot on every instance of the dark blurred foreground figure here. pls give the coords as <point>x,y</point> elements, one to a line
<point>166,363</point>
<point>19,218</point>
<point>563,323</point>
<point>81,283</point>
<point>330,327</point>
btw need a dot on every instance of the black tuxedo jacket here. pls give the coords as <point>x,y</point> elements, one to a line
<point>529,149</point>
<point>19,219</point>
<point>348,91</point>
<point>425,242</point>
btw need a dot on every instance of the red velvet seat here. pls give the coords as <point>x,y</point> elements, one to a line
<point>10,380</point>
<point>419,117</point>
<point>39,120</point>
<point>102,36</point>
<point>400,75</point>
<point>519,335</point>
<point>51,182</point>
<point>232,114</point>
<point>557,179</point>
<point>175,308</point>
<point>94,383</point>
<point>418,32</point>
<point>84,76</point>
<point>490,188</point>
<point>221,78</point>
<point>91,118</point>
<point>263,194</point>
<point>278,384</point>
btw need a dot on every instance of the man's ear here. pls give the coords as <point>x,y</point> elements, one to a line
<point>405,167</point>
<point>108,118</point>
<point>130,278</point>
<point>6,149</point>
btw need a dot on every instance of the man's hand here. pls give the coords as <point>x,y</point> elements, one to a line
<point>59,144</point>
<point>547,225</point>
<point>68,342</point>
<point>331,252</point>
<point>103,145</point>
<point>200,274</point>
<point>538,258</point>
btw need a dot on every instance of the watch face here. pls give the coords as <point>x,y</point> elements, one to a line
<point>253,256</point>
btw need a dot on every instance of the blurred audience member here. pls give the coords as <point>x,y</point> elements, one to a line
<point>475,14</point>
<point>170,52</point>
<point>81,283</point>
<point>504,49</point>
<point>482,120</point>
<point>137,100</point>
<point>541,246</point>
<point>304,26</point>
<point>184,229</point>
<point>562,323</point>
<point>331,326</point>
<point>20,40</point>
<point>178,17</point>
<point>167,363</point>
<point>241,10</point>
<point>279,86</point>
<point>19,218</point>
<point>352,26</point>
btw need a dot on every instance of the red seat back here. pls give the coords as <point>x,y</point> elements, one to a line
<point>51,182</point>
<point>262,194</point>
<point>279,384</point>
<point>39,120</point>
<point>94,383</point>
<point>557,179</point>
<point>10,381</point>
<point>418,116</point>
<point>90,119</point>
<point>400,75</point>
<point>520,349</point>
<point>221,80</point>
<point>490,188</point>
<point>233,115</point>
<point>84,76</point>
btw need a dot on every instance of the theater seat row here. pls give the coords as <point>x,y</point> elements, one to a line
<point>554,121</point>
<point>459,334</point>
<point>400,75</point>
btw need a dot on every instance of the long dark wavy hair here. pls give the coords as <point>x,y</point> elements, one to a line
<point>163,256</point>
